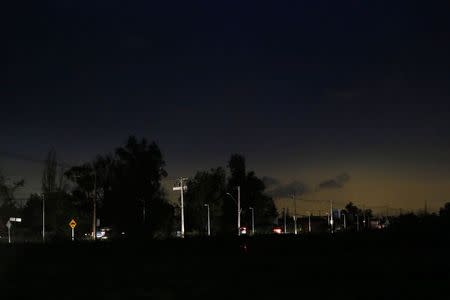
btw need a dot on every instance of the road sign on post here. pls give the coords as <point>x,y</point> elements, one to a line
<point>72,225</point>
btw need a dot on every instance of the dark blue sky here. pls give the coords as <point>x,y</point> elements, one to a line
<point>324,86</point>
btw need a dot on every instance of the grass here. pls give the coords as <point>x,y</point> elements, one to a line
<point>364,266</point>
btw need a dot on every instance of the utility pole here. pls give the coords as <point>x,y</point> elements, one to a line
<point>209,221</point>
<point>253,220</point>
<point>43,217</point>
<point>181,188</point>
<point>284,215</point>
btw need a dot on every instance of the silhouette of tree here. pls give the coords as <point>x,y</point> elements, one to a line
<point>127,188</point>
<point>444,212</point>
<point>49,174</point>
<point>252,195</point>
<point>352,209</point>
<point>207,187</point>
<point>354,215</point>
<point>8,207</point>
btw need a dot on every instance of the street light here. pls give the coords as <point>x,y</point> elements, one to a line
<point>94,208</point>
<point>345,223</point>
<point>331,217</point>
<point>357,222</point>
<point>309,222</point>
<point>295,214</point>
<point>209,223</point>
<point>253,220</point>
<point>43,217</point>
<point>238,208</point>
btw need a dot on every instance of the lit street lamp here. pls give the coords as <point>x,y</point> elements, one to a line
<point>345,223</point>
<point>357,223</point>
<point>309,222</point>
<point>94,208</point>
<point>295,214</point>
<point>238,208</point>
<point>43,217</point>
<point>331,217</point>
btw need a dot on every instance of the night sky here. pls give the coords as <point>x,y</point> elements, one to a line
<point>306,90</point>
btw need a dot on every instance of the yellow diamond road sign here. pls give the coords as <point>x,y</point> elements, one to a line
<point>72,224</point>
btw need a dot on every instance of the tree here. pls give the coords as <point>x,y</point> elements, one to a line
<point>32,214</point>
<point>59,206</point>
<point>252,195</point>
<point>94,182</point>
<point>444,212</point>
<point>49,174</point>
<point>207,187</point>
<point>127,188</point>
<point>352,209</point>
<point>138,175</point>
<point>8,207</point>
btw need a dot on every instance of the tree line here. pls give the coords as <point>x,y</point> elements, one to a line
<point>126,189</point>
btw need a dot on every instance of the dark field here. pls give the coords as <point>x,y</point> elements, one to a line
<point>368,266</point>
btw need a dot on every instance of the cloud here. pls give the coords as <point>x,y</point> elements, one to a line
<point>285,190</point>
<point>335,183</point>
<point>343,178</point>
<point>270,181</point>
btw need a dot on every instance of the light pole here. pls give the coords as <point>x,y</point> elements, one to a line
<point>94,208</point>
<point>238,208</point>
<point>284,216</point>
<point>357,223</point>
<point>309,222</point>
<point>331,217</point>
<point>9,224</point>
<point>295,214</point>
<point>43,217</point>
<point>209,221</point>
<point>345,223</point>
<point>143,212</point>
<point>253,220</point>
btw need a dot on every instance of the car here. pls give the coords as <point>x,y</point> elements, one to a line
<point>243,230</point>
<point>104,233</point>
<point>277,230</point>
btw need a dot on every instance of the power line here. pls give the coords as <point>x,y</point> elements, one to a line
<point>21,157</point>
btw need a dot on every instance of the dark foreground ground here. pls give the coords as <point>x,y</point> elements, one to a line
<point>366,266</point>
